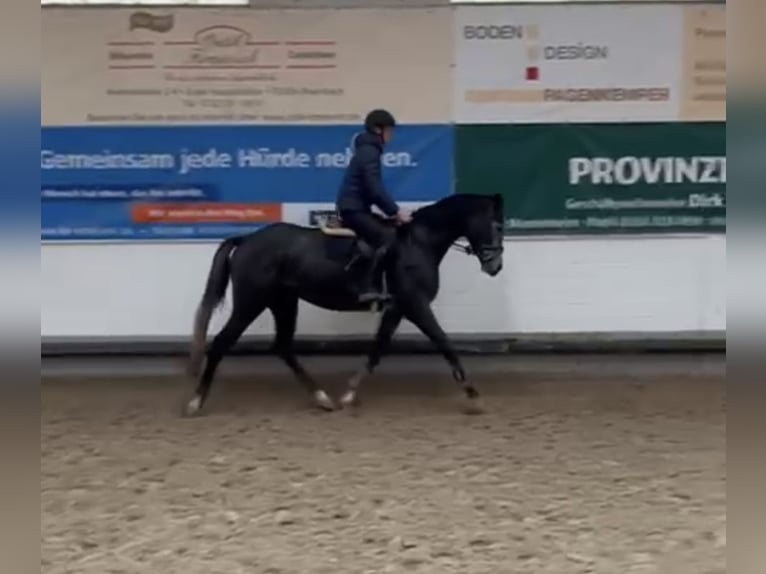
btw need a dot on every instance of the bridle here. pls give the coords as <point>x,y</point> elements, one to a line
<point>486,252</point>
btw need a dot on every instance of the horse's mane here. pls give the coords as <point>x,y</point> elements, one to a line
<point>448,208</point>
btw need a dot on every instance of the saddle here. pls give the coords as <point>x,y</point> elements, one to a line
<point>333,227</point>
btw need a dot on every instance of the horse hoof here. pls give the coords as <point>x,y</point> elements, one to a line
<point>349,399</point>
<point>323,401</point>
<point>473,407</point>
<point>193,408</point>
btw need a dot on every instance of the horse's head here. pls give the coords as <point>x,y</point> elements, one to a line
<point>484,232</point>
<point>477,218</point>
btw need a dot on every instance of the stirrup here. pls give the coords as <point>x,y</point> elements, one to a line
<point>384,302</point>
<point>373,295</point>
<point>370,297</point>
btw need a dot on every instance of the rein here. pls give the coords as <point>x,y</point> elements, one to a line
<point>485,254</point>
<point>486,251</point>
<point>467,249</point>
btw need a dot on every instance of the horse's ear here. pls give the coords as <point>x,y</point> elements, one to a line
<point>497,202</point>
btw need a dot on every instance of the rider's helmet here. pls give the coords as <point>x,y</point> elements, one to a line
<point>379,119</point>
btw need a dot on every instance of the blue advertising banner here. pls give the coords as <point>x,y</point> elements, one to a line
<point>208,182</point>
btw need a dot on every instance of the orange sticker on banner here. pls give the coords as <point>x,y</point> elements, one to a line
<point>205,212</point>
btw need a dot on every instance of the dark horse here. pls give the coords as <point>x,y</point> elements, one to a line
<point>282,263</point>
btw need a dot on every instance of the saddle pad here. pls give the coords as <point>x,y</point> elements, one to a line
<point>338,231</point>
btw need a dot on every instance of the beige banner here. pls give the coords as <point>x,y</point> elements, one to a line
<point>746,49</point>
<point>194,65</point>
<point>703,73</point>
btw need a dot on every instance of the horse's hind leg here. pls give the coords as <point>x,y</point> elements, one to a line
<point>285,311</point>
<point>242,315</point>
<point>389,322</point>
<point>422,316</point>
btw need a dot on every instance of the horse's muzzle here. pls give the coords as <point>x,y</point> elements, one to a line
<point>492,265</point>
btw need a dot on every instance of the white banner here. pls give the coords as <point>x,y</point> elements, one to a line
<point>199,65</point>
<point>579,63</point>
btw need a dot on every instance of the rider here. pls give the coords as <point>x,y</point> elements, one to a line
<point>362,188</point>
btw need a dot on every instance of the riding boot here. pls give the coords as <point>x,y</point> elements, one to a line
<point>367,290</point>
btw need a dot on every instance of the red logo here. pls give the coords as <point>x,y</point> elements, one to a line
<point>532,73</point>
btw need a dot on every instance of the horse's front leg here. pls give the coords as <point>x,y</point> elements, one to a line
<point>422,316</point>
<point>389,322</point>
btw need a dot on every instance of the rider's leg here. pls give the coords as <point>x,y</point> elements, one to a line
<point>368,291</point>
<point>370,230</point>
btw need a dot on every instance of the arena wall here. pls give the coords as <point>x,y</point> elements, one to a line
<point>653,287</point>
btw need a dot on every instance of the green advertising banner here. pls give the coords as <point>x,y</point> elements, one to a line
<point>598,178</point>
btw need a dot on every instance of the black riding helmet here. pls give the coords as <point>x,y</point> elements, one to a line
<point>379,119</point>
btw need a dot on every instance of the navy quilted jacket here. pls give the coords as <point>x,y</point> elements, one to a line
<point>362,185</point>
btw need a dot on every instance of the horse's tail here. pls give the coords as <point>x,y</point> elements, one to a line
<point>215,289</point>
